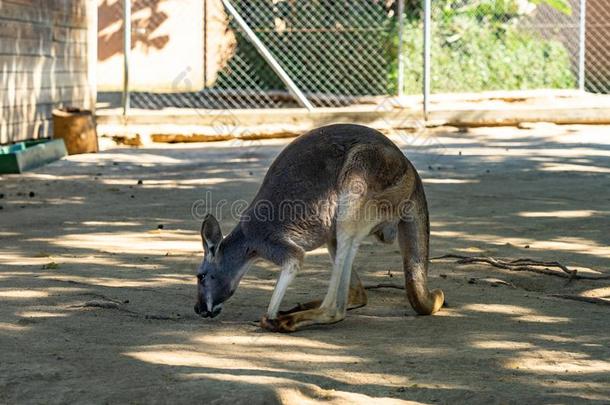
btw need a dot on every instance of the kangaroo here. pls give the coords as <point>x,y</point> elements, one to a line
<point>334,185</point>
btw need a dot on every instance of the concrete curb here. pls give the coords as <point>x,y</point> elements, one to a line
<point>464,110</point>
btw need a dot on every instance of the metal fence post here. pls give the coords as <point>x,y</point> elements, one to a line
<point>126,52</point>
<point>426,57</point>
<point>581,44</point>
<point>401,57</point>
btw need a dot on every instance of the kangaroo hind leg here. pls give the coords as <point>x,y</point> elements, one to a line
<point>357,294</point>
<point>357,297</point>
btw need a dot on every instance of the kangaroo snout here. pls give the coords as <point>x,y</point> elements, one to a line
<point>204,313</point>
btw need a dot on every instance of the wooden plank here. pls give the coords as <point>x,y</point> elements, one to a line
<point>29,3</point>
<point>10,133</point>
<point>12,63</point>
<point>18,97</point>
<point>74,18</point>
<point>10,29</point>
<point>13,91</point>
<point>26,113</point>
<point>45,69</point>
<point>69,50</point>
<point>34,80</point>
<point>33,112</point>
<point>27,47</point>
<point>65,95</point>
<point>22,12</point>
<point>72,35</point>
<point>43,47</point>
<point>20,29</point>
<point>76,7</point>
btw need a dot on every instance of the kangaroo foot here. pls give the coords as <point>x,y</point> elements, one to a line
<point>302,307</point>
<point>357,299</point>
<point>297,320</point>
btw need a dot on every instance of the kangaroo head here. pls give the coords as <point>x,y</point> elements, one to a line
<point>225,261</point>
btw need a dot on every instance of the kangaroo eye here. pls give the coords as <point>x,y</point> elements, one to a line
<point>200,277</point>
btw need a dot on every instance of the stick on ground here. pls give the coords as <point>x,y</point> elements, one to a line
<point>590,300</point>
<point>524,264</point>
<point>383,285</point>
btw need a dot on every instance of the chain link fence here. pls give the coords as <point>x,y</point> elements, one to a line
<point>340,53</point>
<point>335,52</point>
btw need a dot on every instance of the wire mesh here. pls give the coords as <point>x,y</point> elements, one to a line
<point>337,53</point>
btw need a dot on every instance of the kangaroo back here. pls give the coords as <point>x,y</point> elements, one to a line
<point>302,186</point>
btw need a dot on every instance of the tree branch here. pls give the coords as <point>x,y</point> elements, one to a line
<point>524,264</point>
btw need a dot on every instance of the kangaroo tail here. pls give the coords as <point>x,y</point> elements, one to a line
<point>414,240</point>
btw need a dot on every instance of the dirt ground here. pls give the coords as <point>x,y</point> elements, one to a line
<point>96,302</point>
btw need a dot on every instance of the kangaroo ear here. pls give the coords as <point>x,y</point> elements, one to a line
<point>211,235</point>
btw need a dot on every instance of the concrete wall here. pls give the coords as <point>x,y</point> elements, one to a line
<point>43,64</point>
<point>166,48</point>
<point>177,45</point>
<point>219,40</point>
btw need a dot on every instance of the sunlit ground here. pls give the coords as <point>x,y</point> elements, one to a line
<point>99,254</point>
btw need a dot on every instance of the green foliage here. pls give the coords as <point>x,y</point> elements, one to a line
<point>481,47</point>
<point>560,5</point>
<point>499,10</point>
<point>488,7</point>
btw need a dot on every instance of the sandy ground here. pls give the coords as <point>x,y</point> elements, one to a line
<point>88,235</point>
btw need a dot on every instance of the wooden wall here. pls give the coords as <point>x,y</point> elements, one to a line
<point>43,64</point>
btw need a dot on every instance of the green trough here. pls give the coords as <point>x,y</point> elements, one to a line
<point>27,155</point>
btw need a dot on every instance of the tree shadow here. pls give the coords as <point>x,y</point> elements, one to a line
<point>111,27</point>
